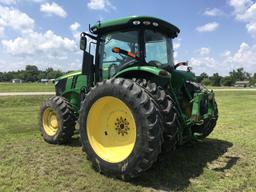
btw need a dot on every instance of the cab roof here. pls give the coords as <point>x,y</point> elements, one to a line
<point>135,22</point>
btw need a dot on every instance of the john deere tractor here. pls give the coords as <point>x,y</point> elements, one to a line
<point>130,100</point>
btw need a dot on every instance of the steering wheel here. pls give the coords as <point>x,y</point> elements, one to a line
<point>155,63</point>
<point>122,58</point>
<point>112,69</point>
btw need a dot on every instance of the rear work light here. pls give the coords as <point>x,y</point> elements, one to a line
<point>136,22</point>
<point>146,22</point>
<point>155,24</point>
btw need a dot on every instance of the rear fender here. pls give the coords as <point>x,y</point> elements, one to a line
<point>157,75</point>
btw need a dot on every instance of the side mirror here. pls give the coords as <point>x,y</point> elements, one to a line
<point>83,41</point>
<point>181,64</point>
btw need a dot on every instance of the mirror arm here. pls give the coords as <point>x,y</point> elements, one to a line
<point>89,35</point>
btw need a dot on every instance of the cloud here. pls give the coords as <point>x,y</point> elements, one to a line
<point>240,6</point>
<point>1,31</point>
<point>213,12</point>
<point>204,51</point>
<point>245,11</point>
<point>204,64</point>
<point>209,27</point>
<point>244,57</point>
<point>251,28</point>
<point>100,5</point>
<point>48,44</point>
<point>176,45</point>
<point>74,29</point>
<point>74,26</point>
<point>53,9</point>
<point>11,2</point>
<point>43,49</point>
<point>15,19</point>
<point>8,2</point>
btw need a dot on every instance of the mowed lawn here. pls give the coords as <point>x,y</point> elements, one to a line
<point>26,87</point>
<point>226,161</point>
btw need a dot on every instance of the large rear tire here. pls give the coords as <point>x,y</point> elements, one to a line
<point>120,128</point>
<point>57,120</point>
<point>168,112</point>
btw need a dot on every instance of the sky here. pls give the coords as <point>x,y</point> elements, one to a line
<point>216,36</point>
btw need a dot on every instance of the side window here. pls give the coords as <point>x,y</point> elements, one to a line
<point>156,47</point>
<point>110,61</point>
<point>110,57</point>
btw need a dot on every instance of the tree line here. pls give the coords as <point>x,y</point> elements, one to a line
<point>229,80</point>
<point>30,74</point>
<point>33,74</point>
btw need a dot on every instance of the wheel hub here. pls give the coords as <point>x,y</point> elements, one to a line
<point>121,125</point>
<point>50,121</point>
<point>53,121</point>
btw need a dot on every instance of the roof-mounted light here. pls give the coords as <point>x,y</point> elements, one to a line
<point>146,22</point>
<point>136,22</point>
<point>155,24</point>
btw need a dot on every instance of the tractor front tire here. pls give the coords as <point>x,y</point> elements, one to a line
<point>120,128</point>
<point>202,131</point>
<point>57,120</point>
<point>207,127</point>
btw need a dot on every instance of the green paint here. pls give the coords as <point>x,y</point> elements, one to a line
<point>149,69</point>
<point>69,75</point>
<point>127,22</point>
<point>75,82</point>
<point>196,107</point>
<point>180,77</point>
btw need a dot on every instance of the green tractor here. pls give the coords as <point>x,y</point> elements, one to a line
<point>130,100</point>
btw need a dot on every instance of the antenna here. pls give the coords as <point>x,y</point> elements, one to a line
<point>90,28</point>
<point>99,22</point>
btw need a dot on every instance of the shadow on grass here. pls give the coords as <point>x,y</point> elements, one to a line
<point>174,170</point>
<point>75,142</point>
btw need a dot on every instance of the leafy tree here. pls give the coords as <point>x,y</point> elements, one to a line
<point>253,79</point>
<point>227,81</point>
<point>31,73</point>
<point>239,75</point>
<point>201,77</point>
<point>52,74</point>
<point>31,68</point>
<point>215,79</point>
<point>206,81</point>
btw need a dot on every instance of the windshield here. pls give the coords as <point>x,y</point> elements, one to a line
<point>124,40</point>
<point>158,47</point>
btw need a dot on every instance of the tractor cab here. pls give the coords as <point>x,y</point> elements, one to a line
<point>128,42</point>
<point>123,49</point>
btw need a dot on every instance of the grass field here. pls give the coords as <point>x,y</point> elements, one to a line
<point>224,162</point>
<point>26,87</point>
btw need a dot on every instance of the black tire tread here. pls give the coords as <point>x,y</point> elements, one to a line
<point>150,151</point>
<point>168,112</point>
<point>67,117</point>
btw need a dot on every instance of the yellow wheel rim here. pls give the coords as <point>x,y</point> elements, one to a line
<point>111,129</point>
<point>50,121</point>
